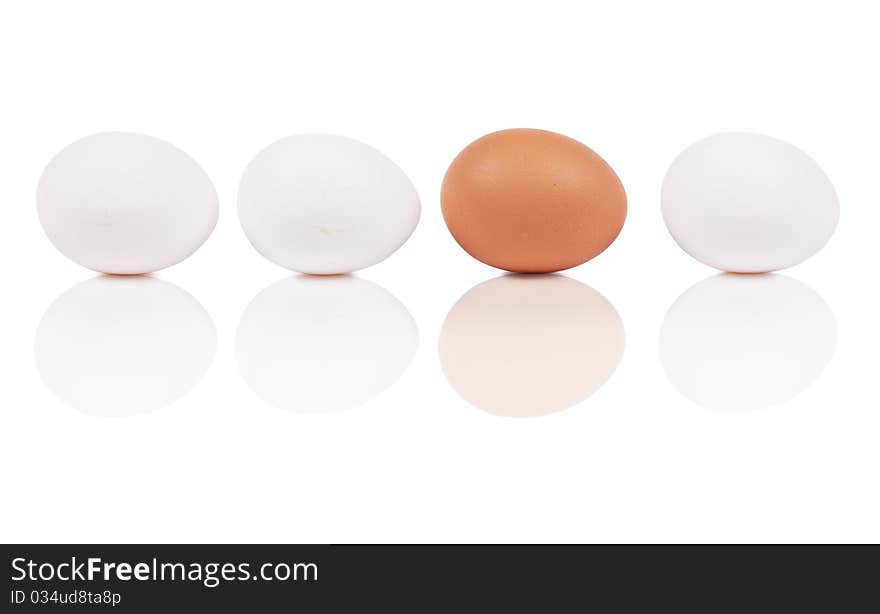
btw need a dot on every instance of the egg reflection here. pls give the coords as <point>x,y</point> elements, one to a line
<point>319,344</point>
<point>745,342</point>
<point>521,345</point>
<point>117,346</point>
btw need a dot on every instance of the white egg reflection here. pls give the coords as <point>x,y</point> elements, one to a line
<point>319,344</point>
<point>745,342</point>
<point>117,346</point>
<point>525,345</point>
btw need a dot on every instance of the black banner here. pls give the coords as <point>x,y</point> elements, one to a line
<point>149,578</point>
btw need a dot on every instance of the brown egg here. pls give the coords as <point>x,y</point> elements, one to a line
<point>532,201</point>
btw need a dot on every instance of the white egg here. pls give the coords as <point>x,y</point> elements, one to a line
<point>325,204</point>
<point>125,203</point>
<point>748,203</point>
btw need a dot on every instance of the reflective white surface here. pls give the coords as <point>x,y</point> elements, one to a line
<point>319,344</point>
<point>118,346</point>
<point>528,345</point>
<point>741,342</point>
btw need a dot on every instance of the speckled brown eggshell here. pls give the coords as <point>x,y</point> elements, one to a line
<point>532,201</point>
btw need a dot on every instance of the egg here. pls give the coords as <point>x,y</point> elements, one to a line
<point>124,203</point>
<point>748,203</point>
<point>326,204</point>
<point>532,201</point>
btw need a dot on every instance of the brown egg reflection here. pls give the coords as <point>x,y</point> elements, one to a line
<point>521,345</point>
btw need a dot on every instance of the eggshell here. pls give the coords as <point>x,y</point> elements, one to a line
<point>748,203</point>
<point>326,204</point>
<point>125,203</point>
<point>532,201</point>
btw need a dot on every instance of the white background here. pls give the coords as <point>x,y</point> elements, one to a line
<point>636,461</point>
